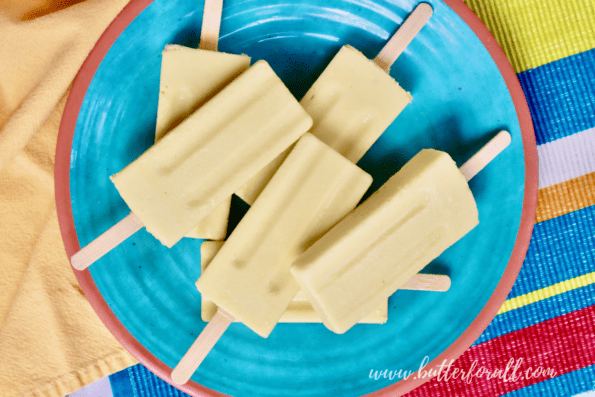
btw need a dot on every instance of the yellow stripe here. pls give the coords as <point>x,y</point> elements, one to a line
<point>547,292</point>
<point>536,32</point>
<point>565,197</point>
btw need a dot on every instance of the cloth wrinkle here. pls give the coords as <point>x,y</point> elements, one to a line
<point>51,341</point>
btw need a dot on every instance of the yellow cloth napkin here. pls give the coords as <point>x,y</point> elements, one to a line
<point>51,340</point>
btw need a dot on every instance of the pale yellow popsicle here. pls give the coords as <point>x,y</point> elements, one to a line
<point>189,78</point>
<point>200,163</point>
<point>313,189</point>
<point>298,311</point>
<point>352,103</point>
<point>417,214</point>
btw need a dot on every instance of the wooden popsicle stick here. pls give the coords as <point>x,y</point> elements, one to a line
<point>105,242</point>
<point>401,39</point>
<point>427,282</point>
<point>486,154</point>
<point>211,22</point>
<point>201,347</point>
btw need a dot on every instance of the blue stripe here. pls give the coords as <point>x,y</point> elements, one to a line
<point>561,248</point>
<point>138,381</point>
<point>567,385</point>
<point>120,383</point>
<point>539,312</point>
<point>561,96</point>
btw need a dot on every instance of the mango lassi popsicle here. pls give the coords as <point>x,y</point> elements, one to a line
<point>200,163</point>
<point>418,213</point>
<point>313,189</point>
<point>189,78</point>
<point>249,278</point>
<point>353,101</point>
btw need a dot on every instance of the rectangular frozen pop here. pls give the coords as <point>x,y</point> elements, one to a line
<point>417,214</point>
<point>189,78</point>
<point>249,277</point>
<point>352,103</point>
<point>200,163</point>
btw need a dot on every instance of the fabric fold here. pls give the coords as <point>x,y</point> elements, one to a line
<point>51,341</point>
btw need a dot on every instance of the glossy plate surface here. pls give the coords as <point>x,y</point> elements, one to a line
<point>145,293</point>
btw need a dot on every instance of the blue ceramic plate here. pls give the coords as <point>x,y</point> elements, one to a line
<point>460,101</point>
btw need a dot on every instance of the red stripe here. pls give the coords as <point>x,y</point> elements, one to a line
<point>563,344</point>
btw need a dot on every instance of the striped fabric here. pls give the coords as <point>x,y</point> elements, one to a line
<point>548,319</point>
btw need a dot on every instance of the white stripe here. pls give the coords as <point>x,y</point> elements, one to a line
<point>100,388</point>
<point>587,394</point>
<point>566,158</point>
